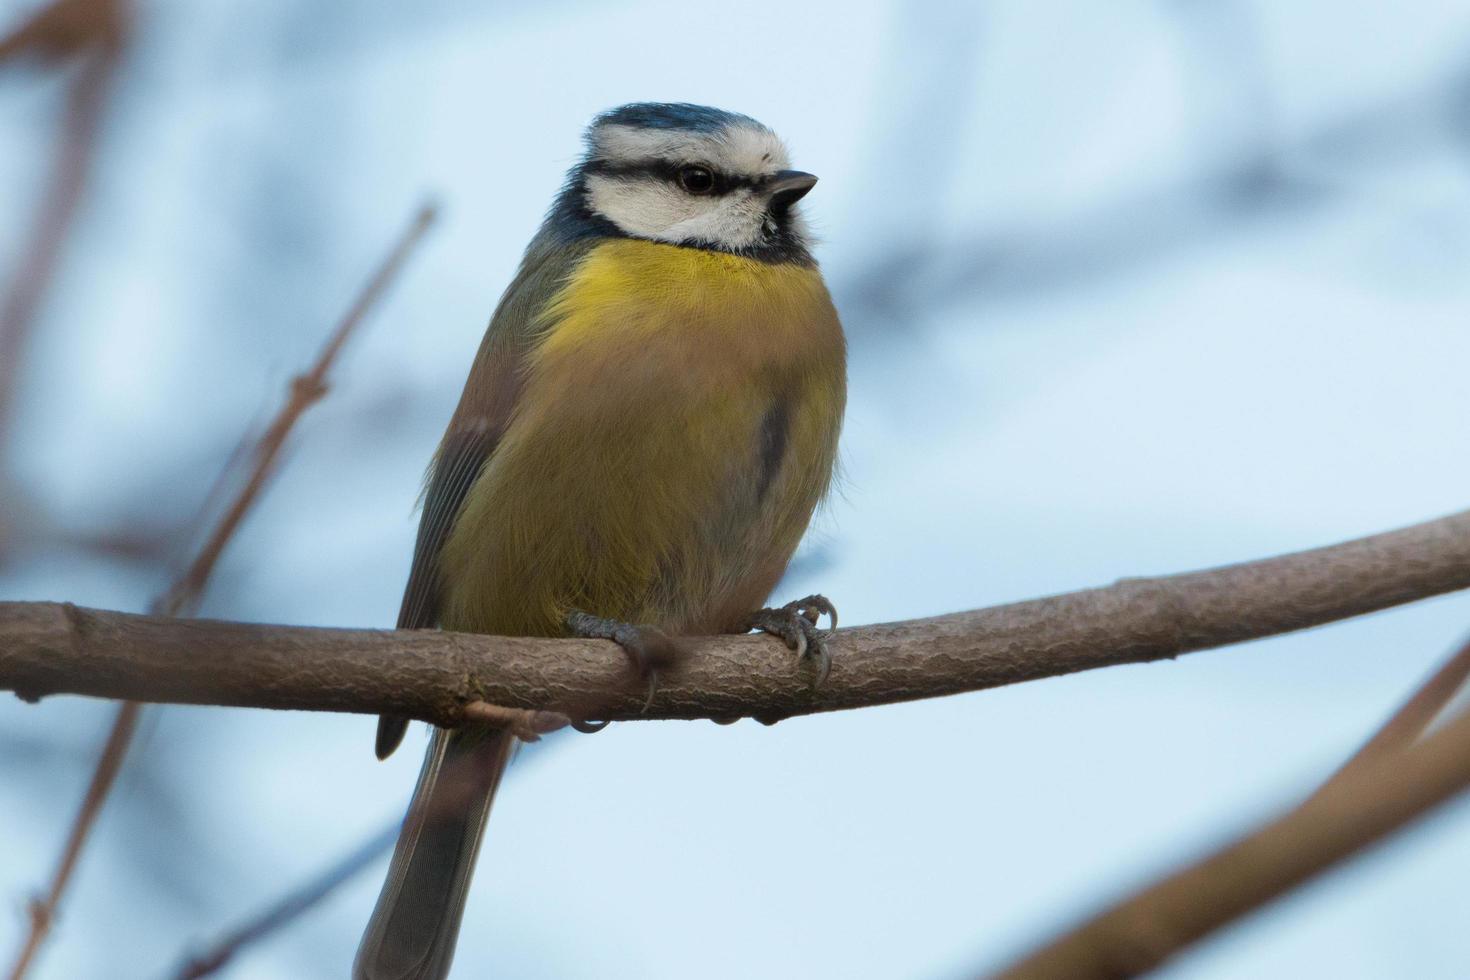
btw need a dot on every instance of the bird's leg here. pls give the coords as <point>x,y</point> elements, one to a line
<point>648,647</point>
<point>796,623</point>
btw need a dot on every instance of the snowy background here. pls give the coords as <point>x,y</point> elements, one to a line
<point>1132,288</point>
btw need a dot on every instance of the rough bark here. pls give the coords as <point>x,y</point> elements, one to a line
<point>50,648</point>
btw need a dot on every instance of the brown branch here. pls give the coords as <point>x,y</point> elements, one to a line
<point>51,649</point>
<point>67,27</point>
<point>94,29</point>
<point>1141,932</point>
<point>1410,721</point>
<point>43,909</point>
<point>221,952</point>
<point>94,32</point>
<point>304,392</point>
<point>526,725</point>
<point>529,726</point>
<point>1366,802</point>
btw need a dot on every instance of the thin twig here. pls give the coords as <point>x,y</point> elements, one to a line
<point>305,391</point>
<point>1367,803</point>
<point>302,898</point>
<point>1411,720</point>
<point>528,726</point>
<point>93,30</point>
<point>67,27</point>
<point>48,648</point>
<point>228,946</point>
<point>43,909</point>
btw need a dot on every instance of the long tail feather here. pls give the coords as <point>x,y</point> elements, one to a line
<point>414,927</point>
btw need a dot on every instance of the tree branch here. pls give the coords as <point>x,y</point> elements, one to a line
<point>1383,788</point>
<point>1407,724</point>
<point>219,954</point>
<point>305,391</point>
<point>48,648</point>
<point>94,31</point>
<point>42,909</point>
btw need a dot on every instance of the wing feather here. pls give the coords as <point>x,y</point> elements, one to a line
<point>484,412</point>
<point>461,458</point>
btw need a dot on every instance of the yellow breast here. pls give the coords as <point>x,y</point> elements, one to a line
<point>630,291</point>
<point>632,481</point>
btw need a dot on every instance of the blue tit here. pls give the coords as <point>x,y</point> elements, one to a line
<point>646,430</point>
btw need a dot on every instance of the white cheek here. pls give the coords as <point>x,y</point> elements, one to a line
<point>655,210</point>
<point>734,222</point>
<point>642,208</point>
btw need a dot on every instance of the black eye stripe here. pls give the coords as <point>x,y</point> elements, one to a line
<point>664,170</point>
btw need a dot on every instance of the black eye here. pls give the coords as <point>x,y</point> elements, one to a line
<point>696,179</point>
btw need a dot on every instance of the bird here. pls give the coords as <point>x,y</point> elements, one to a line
<point>646,431</point>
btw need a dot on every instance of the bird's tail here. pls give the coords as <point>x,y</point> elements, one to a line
<point>414,927</point>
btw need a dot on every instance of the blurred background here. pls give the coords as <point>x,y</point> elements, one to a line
<point>1132,288</point>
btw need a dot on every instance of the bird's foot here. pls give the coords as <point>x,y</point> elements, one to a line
<point>796,623</point>
<point>648,647</point>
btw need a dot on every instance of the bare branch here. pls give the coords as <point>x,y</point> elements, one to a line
<point>528,726</point>
<point>58,648</point>
<point>228,946</point>
<point>1141,932</point>
<point>1363,804</point>
<point>67,27</point>
<point>43,909</point>
<point>304,392</point>
<point>1410,721</point>
<point>94,28</point>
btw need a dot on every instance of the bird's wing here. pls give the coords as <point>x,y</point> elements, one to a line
<point>457,466</point>
<point>484,411</point>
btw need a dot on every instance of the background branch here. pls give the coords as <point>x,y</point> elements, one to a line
<point>42,909</point>
<point>48,648</point>
<point>1383,787</point>
<point>94,31</point>
<point>306,390</point>
<point>219,953</point>
<point>1411,720</point>
<point>206,959</point>
<point>183,596</point>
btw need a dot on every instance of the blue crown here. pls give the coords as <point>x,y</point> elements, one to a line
<point>672,115</point>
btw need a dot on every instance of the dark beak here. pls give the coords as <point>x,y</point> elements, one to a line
<point>786,187</point>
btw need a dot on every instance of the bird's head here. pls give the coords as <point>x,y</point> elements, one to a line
<point>693,176</point>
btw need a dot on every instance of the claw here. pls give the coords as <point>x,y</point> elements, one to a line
<point>798,632</point>
<point>646,646</point>
<point>652,690</point>
<point>814,607</point>
<point>824,661</point>
<point>796,624</point>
